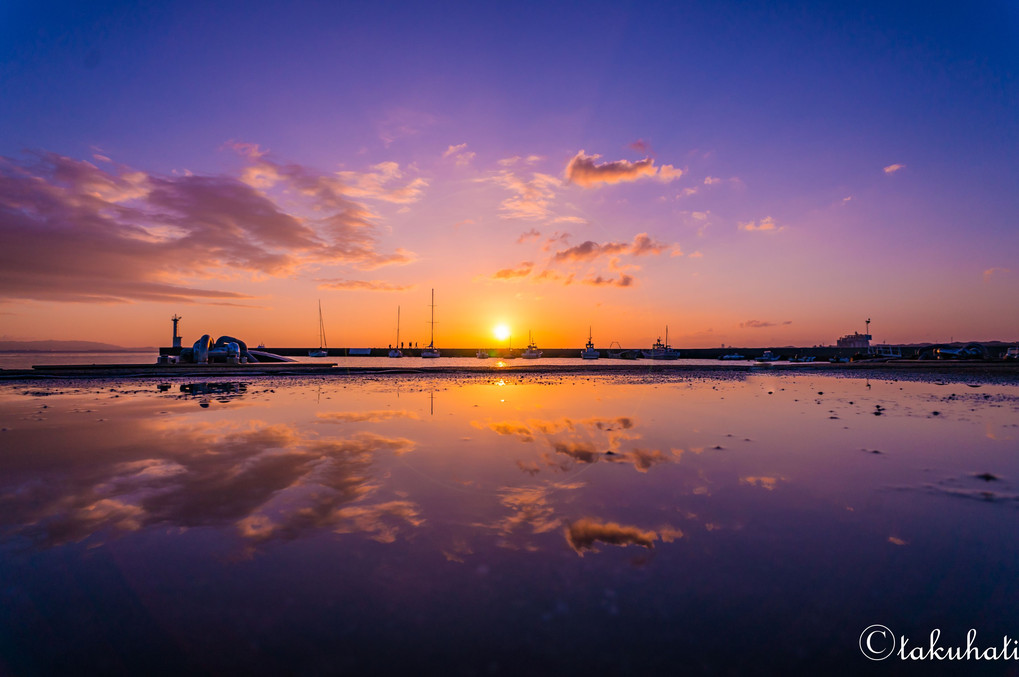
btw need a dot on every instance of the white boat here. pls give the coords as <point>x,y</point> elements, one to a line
<point>768,356</point>
<point>322,351</point>
<point>732,356</point>
<point>531,352</point>
<point>431,350</point>
<point>395,351</point>
<point>661,351</point>
<point>481,354</point>
<point>589,353</point>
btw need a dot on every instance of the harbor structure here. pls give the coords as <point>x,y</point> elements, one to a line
<point>856,340</point>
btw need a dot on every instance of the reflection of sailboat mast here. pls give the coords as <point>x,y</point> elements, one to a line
<point>431,402</point>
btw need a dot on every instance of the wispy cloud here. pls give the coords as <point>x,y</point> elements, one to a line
<point>761,324</point>
<point>765,225</point>
<point>363,285</point>
<point>891,169</point>
<point>583,170</point>
<point>460,154</point>
<point>991,273</point>
<point>532,234</point>
<point>531,199</point>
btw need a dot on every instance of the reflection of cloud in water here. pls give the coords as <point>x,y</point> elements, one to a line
<point>364,416</point>
<point>768,483</point>
<point>579,441</point>
<point>585,533</point>
<point>269,480</point>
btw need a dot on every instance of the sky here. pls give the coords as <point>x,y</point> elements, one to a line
<point>744,173</point>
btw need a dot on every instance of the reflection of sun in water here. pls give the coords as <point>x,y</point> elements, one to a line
<point>501,332</point>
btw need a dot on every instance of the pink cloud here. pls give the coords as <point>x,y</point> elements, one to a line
<point>891,169</point>
<point>75,232</point>
<point>523,270</point>
<point>584,171</point>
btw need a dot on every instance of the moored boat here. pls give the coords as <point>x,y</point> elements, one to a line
<point>661,351</point>
<point>589,353</point>
<point>531,352</point>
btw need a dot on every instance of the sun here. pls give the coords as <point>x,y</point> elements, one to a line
<point>501,332</point>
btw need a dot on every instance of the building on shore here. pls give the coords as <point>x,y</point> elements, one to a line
<point>856,340</point>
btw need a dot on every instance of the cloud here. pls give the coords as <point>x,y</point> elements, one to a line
<point>583,534</point>
<point>891,169</point>
<point>761,324</point>
<point>711,180</point>
<point>146,236</point>
<point>531,199</point>
<point>667,173</point>
<point>523,270</point>
<point>460,154</point>
<point>586,251</point>
<point>532,234</point>
<point>766,224</point>
<point>641,146</point>
<point>991,273</point>
<point>363,285</point>
<point>377,184</point>
<point>402,123</point>
<point>584,171</point>
<point>622,281</point>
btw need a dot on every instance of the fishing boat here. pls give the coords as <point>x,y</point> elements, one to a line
<point>732,356</point>
<point>322,350</point>
<point>431,350</point>
<point>531,352</point>
<point>589,353</point>
<point>395,351</point>
<point>481,354</point>
<point>661,351</point>
<point>768,356</point>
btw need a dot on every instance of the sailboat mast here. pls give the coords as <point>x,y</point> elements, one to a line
<point>321,327</point>
<point>397,327</point>
<point>431,341</point>
<point>666,336</point>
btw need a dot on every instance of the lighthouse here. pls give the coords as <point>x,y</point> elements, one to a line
<point>176,336</point>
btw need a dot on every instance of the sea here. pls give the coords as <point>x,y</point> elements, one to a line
<point>745,522</point>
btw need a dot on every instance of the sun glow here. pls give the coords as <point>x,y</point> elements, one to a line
<point>501,332</point>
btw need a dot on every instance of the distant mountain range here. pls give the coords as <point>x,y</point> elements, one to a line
<point>68,347</point>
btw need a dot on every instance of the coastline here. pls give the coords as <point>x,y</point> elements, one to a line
<point>1008,371</point>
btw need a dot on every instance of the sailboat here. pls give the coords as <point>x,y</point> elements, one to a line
<point>322,351</point>
<point>431,350</point>
<point>589,353</point>
<point>662,351</point>
<point>531,352</point>
<point>395,350</point>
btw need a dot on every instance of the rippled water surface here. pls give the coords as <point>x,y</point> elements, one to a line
<point>531,525</point>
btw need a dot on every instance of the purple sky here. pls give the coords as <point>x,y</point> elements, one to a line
<point>747,173</point>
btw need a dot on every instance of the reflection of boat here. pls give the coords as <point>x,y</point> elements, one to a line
<point>589,353</point>
<point>622,354</point>
<point>768,356</point>
<point>321,352</point>
<point>531,352</point>
<point>661,351</point>
<point>481,354</point>
<point>394,350</point>
<point>431,350</point>
<point>732,356</point>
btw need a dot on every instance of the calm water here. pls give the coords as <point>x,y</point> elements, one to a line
<point>530,525</point>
